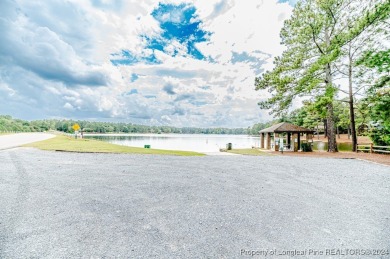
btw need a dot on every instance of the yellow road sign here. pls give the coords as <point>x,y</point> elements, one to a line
<point>76,127</point>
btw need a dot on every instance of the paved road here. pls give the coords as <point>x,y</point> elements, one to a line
<point>15,140</point>
<point>67,205</point>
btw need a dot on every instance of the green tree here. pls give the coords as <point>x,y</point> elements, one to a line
<point>342,116</point>
<point>370,37</point>
<point>378,95</point>
<point>314,36</point>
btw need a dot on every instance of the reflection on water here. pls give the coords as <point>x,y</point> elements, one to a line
<point>323,146</point>
<point>190,142</point>
<point>320,146</point>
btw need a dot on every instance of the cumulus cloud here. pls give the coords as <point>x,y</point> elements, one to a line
<point>38,49</point>
<point>182,63</point>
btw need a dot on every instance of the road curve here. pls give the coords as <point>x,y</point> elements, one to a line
<point>15,140</point>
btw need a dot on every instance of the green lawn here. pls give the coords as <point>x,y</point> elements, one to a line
<point>249,152</point>
<point>65,143</point>
<point>344,146</point>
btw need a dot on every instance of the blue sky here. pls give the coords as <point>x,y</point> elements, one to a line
<point>290,2</point>
<point>181,63</point>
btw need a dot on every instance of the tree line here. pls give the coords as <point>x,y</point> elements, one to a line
<point>334,48</point>
<point>7,123</point>
<point>306,116</point>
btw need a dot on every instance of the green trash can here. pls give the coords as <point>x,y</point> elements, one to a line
<point>146,146</point>
<point>306,147</point>
<point>229,146</point>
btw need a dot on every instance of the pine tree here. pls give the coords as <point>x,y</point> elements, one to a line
<point>314,37</point>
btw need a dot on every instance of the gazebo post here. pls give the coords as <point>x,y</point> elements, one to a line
<point>276,142</point>
<point>268,140</point>
<point>261,140</point>
<point>309,137</point>
<point>294,144</point>
<point>289,140</point>
<point>299,141</point>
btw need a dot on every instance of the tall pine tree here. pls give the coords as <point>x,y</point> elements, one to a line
<point>314,36</point>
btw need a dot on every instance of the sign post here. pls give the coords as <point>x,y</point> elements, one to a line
<point>76,128</point>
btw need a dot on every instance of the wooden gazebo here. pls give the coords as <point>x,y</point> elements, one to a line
<point>269,137</point>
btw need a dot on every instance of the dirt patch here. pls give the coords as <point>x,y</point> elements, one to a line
<point>377,158</point>
<point>343,139</point>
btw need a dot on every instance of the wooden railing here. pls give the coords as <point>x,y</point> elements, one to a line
<point>372,149</point>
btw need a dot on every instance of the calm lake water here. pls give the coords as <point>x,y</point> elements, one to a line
<point>188,142</point>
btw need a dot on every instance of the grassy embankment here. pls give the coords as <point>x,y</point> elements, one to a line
<point>249,152</point>
<point>65,143</point>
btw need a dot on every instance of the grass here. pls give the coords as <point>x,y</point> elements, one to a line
<point>249,152</point>
<point>344,146</point>
<point>65,143</point>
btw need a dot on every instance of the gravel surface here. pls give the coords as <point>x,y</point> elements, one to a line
<point>69,205</point>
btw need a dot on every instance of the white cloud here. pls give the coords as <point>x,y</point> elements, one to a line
<point>57,63</point>
<point>68,106</point>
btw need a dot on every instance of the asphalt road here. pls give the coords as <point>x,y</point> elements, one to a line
<point>15,140</point>
<point>68,205</point>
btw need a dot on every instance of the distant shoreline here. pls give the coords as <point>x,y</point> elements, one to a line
<point>161,134</point>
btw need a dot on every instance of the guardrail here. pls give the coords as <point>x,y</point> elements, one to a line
<point>372,149</point>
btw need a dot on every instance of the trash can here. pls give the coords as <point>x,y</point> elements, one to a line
<point>306,147</point>
<point>229,146</point>
<point>146,146</point>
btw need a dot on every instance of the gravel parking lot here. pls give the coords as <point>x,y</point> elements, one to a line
<point>69,205</point>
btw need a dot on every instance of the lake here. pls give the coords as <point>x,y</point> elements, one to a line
<point>187,142</point>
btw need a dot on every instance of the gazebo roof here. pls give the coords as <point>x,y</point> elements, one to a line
<point>286,127</point>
